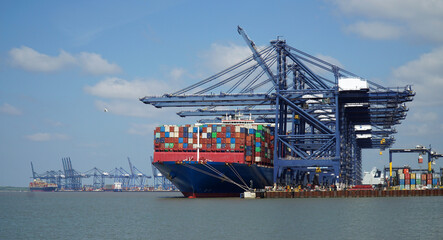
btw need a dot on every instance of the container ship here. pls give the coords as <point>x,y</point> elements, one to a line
<point>215,160</point>
<point>40,186</point>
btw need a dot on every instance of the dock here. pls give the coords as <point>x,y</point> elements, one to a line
<point>350,193</point>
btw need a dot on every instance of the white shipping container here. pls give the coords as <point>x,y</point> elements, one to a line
<point>237,128</point>
<point>363,136</point>
<point>363,127</point>
<point>204,135</point>
<point>190,140</point>
<point>166,128</point>
<point>257,159</point>
<point>208,129</point>
<point>352,84</point>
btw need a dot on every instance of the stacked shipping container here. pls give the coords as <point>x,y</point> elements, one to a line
<point>415,180</point>
<point>254,141</point>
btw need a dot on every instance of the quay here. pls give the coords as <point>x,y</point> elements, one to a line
<point>350,193</point>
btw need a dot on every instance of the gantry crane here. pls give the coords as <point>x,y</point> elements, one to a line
<point>323,115</point>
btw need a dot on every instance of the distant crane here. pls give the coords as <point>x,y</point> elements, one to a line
<point>160,181</point>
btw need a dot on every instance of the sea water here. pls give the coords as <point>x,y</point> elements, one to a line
<point>166,215</point>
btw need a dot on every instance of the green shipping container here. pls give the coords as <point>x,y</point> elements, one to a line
<point>166,145</point>
<point>232,146</point>
<point>218,145</point>
<point>257,135</point>
<point>214,135</point>
<point>260,127</point>
<point>257,149</point>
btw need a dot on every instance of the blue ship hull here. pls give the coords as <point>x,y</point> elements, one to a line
<point>215,179</point>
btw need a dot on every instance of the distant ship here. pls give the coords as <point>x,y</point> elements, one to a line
<point>40,186</point>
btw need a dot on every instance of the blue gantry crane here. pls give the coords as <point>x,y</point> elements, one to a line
<point>71,179</point>
<point>323,114</point>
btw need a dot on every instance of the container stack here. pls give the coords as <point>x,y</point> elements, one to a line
<point>255,141</point>
<point>435,179</point>
<point>423,179</point>
<point>401,177</point>
<point>429,180</point>
<point>413,181</point>
<point>418,180</point>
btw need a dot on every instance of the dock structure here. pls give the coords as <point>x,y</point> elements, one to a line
<point>351,193</point>
<point>70,179</point>
<point>323,115</point>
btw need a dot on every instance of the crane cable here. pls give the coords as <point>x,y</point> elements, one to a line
<point>221,176</point>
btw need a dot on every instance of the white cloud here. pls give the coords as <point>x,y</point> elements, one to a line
<point>123,89</point>
<point>31,60</point>
<point>177,73</point>
<point>426,76</point>
<point>220,56</point>
<point>94,63</point>
<point>375,30</point>
<point>42,137</point>
<point>406,18</point>
<point>9,109</point>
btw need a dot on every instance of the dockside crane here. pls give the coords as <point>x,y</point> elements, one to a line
<point>323,115</point>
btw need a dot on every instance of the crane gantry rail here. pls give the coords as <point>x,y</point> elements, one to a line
<point>324,115</point>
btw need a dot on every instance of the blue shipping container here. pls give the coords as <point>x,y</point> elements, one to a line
<point>218,140</point>
<point>232,140</point>
<point>228,135</point>
<point>180,140</point>
<point>162,129</point>
<point>167,134</point>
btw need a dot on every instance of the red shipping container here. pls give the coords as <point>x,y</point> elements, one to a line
<point>228,140</point>
<point>162,134</point>
<point>429,177</point>
<point>407,176</point>
<point>223,129</point>
<point>423,177</point>
<point>157,129</point>
<point>405,171</point>
<point>171,129</point>
<point>204,129</point>
<point>257,139</point>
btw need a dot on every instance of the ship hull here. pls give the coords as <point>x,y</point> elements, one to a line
<point>43,189</point>
<point>215,179</point>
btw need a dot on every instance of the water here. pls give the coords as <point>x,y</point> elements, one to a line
<point>109,215</point>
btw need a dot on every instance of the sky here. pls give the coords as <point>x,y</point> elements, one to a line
<point>63,62</point>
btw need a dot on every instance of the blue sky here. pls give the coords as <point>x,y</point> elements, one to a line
<point>62,63</point>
